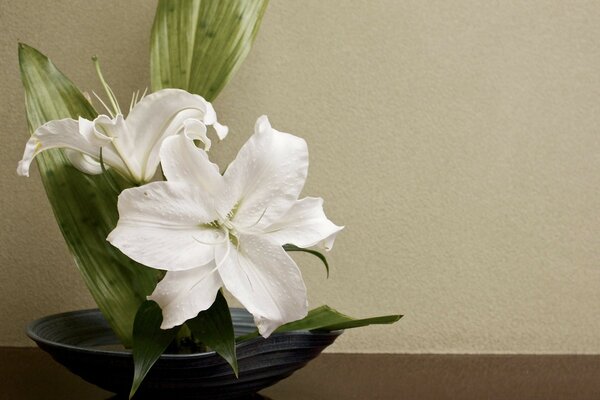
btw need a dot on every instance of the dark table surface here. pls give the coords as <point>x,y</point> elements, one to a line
<point>27,373</point>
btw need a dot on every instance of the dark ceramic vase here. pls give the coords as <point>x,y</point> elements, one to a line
<point>81,340</point>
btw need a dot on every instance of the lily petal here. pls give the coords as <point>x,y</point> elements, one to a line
<point>261,275</point>
<point>196,130</point>
<point>183,294</point>
<point>161,225</point>
<point>182,161</point>
<point>83,162</point>
<point>63,133</point>
<point>221,130</point>
<point>79,138</point>
<point>121,144</point>
<point>267,175</point>
<point>159,115</point>
<point>88,130</point>
<point>210,118</point>
<point>304,225</point>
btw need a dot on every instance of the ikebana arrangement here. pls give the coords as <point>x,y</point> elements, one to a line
<point>158,230</point>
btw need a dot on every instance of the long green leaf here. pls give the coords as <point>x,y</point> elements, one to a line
<point>325,318</point>
<point>197,45</point>
<point>85,206</point>
<point>319,255</point>
<point>214,328</point>
<point>149,341</point>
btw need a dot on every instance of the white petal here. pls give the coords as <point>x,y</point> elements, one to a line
<point>182,161</point>
<point>121,144</point>
<point>159,115</point>
<point>62,133</point>
<point>161,226</point>
<point>183,294</point>
<point>265,280</point>
<point>210,118</point>
<point>196,130</point>
<point>221,130</point>
<point>267,175</point>
<point>304,225</point>
<point>83,162</point>
<point>88,130</point>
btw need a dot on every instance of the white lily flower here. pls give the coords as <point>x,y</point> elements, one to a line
<point>130,145</point>
<point>210,230</point>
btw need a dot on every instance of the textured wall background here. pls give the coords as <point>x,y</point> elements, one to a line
<point>458,141</point>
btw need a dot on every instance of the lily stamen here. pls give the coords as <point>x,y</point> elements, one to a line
<point>259,219</point>
<point>109,91</point>
<point>108,110</point>
<point>224,240</point>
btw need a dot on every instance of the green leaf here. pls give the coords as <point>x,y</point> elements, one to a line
<point>291,247</point>
<point>325,318</point>
<point>149,341</point>
<point>197,45</point>
<point>214,328</point>
<point>85,206</point>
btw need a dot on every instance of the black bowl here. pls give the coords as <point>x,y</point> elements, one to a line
<point>82,340</point>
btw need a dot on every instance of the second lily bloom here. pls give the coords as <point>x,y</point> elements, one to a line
<point>130,146</point>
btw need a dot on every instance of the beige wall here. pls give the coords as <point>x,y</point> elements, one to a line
<point>459,142</point>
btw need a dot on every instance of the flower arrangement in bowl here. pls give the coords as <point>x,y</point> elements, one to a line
<point>158,231</point>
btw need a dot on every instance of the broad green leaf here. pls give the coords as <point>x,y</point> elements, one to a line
<point>325,318</point>
<point>214,328</point>
<point>291,247</point>
<point>85,206</point>
<point>197,45</point>
<point>149,341</point>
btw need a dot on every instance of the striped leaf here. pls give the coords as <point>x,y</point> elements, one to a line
<point>197,45</point>
<point>85,206</point>
<point>214,328</point>
<point>149,341</point>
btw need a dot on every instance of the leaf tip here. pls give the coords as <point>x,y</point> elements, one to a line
<point>25,47</point>
<point>235,368</point>
<point>134,388</point>
<point>22,48</point>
